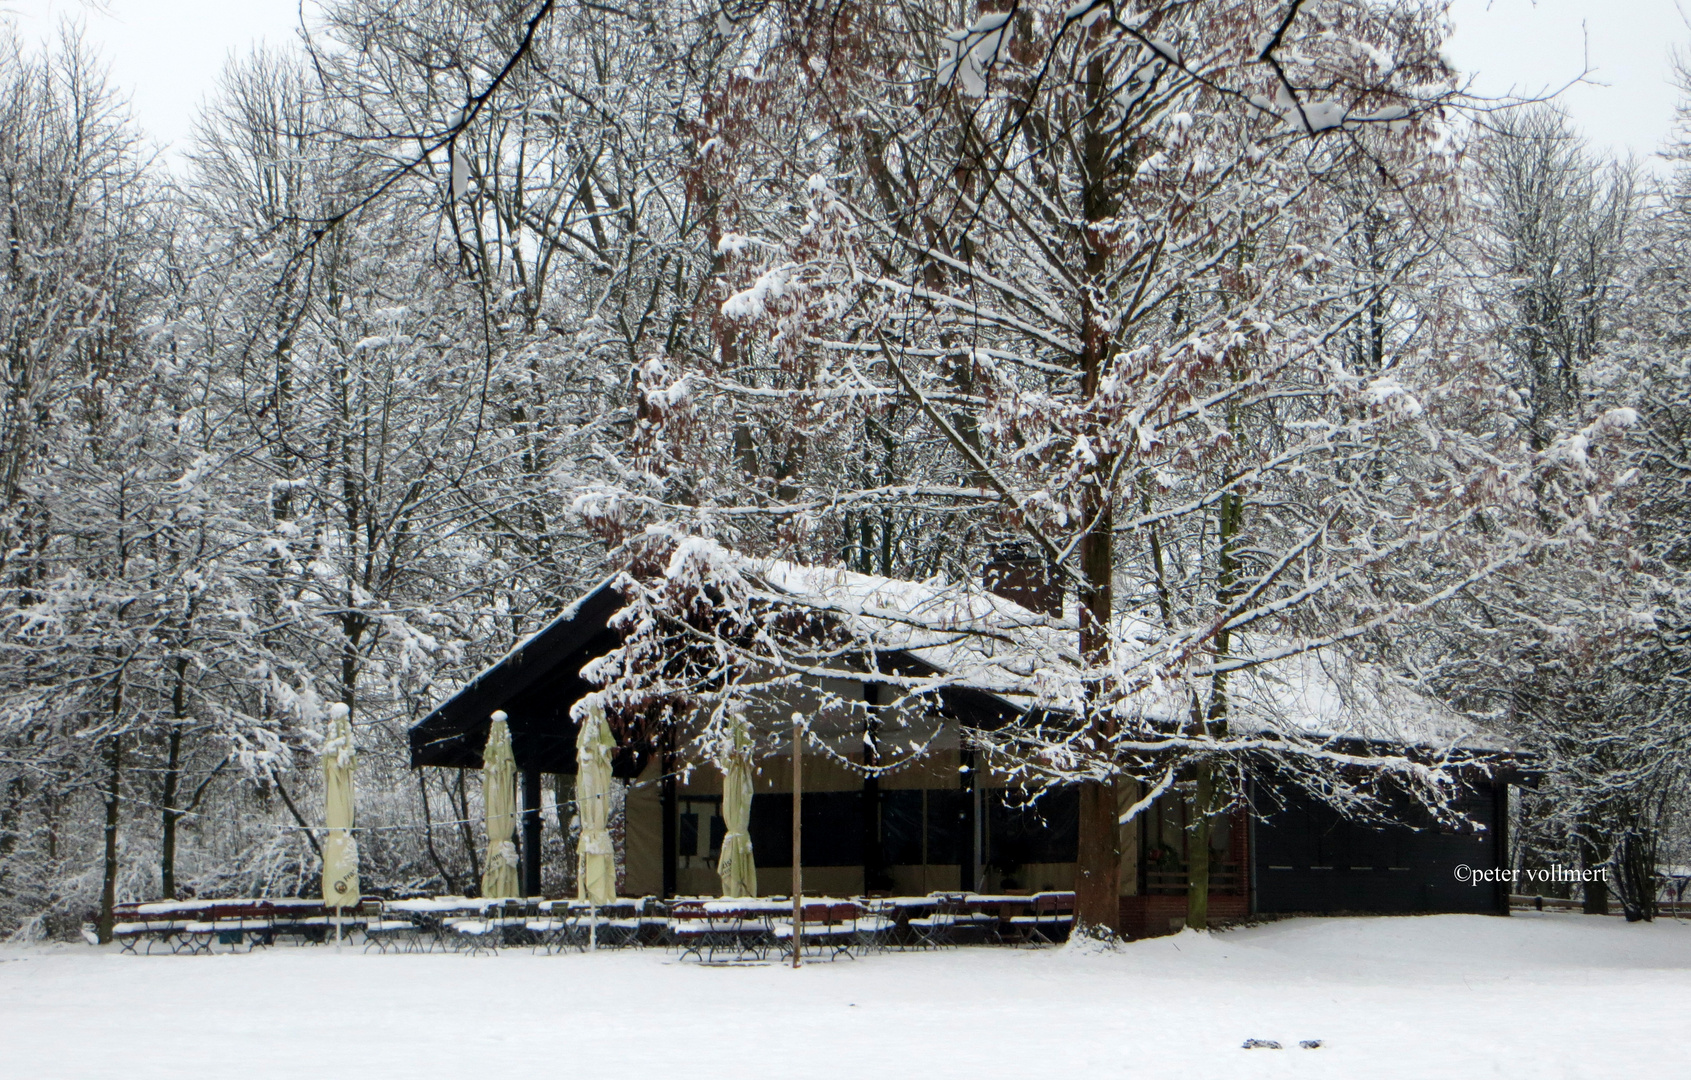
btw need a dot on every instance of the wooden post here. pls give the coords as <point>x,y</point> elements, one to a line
<point>798,868</point>
<point>970,857</point>
<point>531,826</point>
<point>114,801</point>
<point>667,797</point>
<point>874,872</point>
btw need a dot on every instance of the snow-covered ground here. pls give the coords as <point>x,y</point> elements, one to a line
<point>1467,996</point>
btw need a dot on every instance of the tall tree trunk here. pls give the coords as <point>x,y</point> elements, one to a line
<point>108,886</point>
<point>1098,869</point>
<point>467,831</point>
<point>11,813</point>
<point>1214,721</point>
<point>287,800</point>
<point>1636,883</point>
<point>563,805</point>
<point>169,814</point>
<point>1098,864</point>
<point>428,834</point>
<point>1597,891</point>
<point>1198,850</point>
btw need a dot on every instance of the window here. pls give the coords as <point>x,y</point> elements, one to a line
<point>948,816</point>
<point>833,828</point>
<point>901,827</point>
<point>1024,830</point>
<point>1165,847</point>
<point>699,831</point>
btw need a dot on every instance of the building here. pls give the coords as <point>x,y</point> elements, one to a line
<point>940,819</point>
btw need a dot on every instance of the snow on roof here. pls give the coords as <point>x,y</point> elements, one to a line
<point>564,617</point>
<point>984,641</point>
<point>981,641</point>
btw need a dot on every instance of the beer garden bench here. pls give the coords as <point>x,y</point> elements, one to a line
<point>195,926</point>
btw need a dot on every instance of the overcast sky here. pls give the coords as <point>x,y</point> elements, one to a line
<point>167,54</point>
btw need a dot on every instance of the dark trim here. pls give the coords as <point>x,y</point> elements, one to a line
<point>668,799</point>
<point>531,832</point>
<point>1250,842</point>
<point>969,857</point>
<point>452,736</point>
<point>875,876</point>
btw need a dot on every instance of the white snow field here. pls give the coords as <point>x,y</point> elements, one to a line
<point>1469,996</point>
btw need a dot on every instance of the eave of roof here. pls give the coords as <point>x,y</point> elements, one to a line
<point>453,734</point>
<point>1295,696</point>
<point>455,731</point>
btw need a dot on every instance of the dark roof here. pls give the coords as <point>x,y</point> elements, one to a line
<point>536,683</point>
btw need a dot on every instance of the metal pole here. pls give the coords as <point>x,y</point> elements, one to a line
<point>798,869</point>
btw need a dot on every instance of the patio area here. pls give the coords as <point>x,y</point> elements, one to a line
<point>712,929</point>
<point>1551,995</point>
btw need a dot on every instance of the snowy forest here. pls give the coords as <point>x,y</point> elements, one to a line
<point>1243,316</point>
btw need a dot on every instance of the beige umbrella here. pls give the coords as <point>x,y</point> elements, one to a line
<point>596,873</point>
<point>735,866</point>
<point>499,802</point>
<point>340,850</point>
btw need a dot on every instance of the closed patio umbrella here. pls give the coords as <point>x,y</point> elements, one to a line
<point>596,873</point>
<point>340,850</point>
<point>735,866</point>
<point>499,801</point>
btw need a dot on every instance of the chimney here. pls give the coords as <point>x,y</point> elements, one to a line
<point>1025,578</point>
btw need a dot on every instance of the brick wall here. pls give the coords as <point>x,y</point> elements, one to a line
<point>1153,916</point>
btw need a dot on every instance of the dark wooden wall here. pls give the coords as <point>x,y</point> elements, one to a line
<point>1308,858</point>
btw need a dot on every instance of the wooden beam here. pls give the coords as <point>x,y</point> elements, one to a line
<point>798,848</point>
<point>670,802</point>
<point>874,864</point>
<point>971,858</point>
<point>531,832</point>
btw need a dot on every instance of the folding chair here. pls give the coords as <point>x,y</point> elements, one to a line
<point>1051,920</point>
<point>939,930</point>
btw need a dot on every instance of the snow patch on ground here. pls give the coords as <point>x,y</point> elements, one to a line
<point>1550,995</point>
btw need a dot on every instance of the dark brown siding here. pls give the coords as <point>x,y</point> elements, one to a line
<point>1310,859</point>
